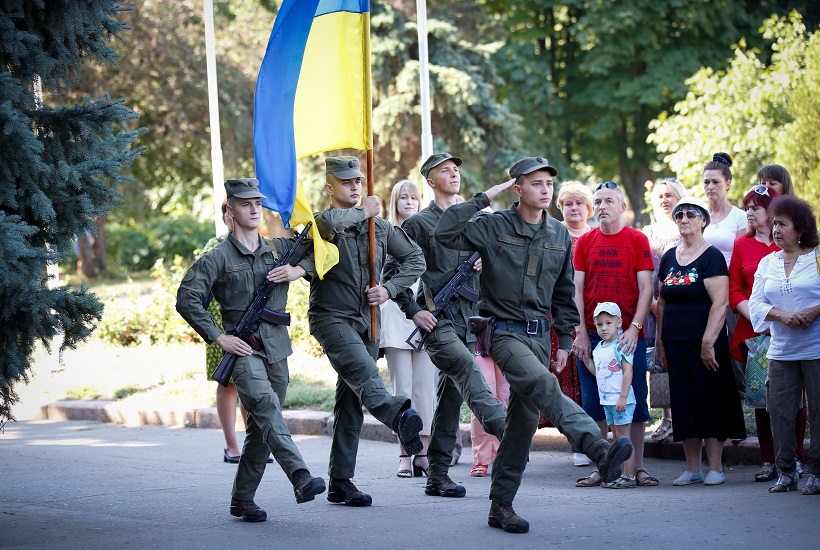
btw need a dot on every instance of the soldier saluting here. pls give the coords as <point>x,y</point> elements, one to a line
<point>232,271</point>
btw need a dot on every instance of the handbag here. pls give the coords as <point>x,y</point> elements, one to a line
<point>652,365</point>
<point>659,390</point>
<point>757,371</point>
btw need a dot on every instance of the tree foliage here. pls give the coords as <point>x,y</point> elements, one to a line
<point>60,167</point>
<point>761,111</point>
<point>588,76</point>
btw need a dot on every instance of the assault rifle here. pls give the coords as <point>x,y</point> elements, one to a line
<point>455,287</point>
<point>256,312</point>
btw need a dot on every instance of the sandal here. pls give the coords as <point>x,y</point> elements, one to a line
<point>662,432</point>
<point>404,472</point>
<point>767,472</point>
<point>592,480</point>
<point>812,486</point>
<point>785,483</point>
<point>479,470</point>
<point>419,471</point>
<point>623,482</point>
<point>644,479</point>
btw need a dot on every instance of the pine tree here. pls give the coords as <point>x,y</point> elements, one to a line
<point>59,170</point>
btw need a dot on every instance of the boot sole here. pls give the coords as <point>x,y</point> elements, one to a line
<point>255,518</point>
<point>449,493</point>
<point>359,502</point>
<point>492,522</point>
<point>409,427</point>
<point>620,451</point>
<point>315,487</point>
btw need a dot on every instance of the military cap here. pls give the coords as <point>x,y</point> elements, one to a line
<point>344,168</point>
<point>436,159</point>
<point>244,188</point>
<point>528,165</point>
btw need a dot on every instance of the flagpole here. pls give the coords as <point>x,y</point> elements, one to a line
<point>424,89</point>
<point>217,169</point>
<point>371,233</point>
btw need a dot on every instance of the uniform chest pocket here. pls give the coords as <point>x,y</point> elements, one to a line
<point>238,275</point>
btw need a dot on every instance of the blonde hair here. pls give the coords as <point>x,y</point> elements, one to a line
<point>394,198</point>
<point>675,186</point>
<point>574,189</point>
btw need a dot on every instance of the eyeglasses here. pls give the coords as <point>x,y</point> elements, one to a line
<point>760,190</point>
<point>607,184</point>
<point>690,214</point>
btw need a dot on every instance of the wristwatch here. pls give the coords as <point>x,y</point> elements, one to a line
<point>638,326</point>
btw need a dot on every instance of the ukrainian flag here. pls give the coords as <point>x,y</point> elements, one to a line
<point>312,95</point>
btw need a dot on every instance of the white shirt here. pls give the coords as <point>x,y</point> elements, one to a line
<point>722,235</point>
<point>609,374</point>
<point>800,290</point>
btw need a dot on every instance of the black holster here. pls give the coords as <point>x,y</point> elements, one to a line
<point>483,328</point>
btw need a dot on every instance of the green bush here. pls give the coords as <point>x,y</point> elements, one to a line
<point>298,301</point>
<point>138,247</point>
<point>152,319</point>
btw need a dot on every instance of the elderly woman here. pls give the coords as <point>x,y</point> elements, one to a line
<point>786,301</point>
<point>575,201</point>
<point>662,235</point>
<point>748,251</point>
<point>694,349</point>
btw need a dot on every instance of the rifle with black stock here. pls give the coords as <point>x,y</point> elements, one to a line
<point>455,287</point>
<point>256,311</point>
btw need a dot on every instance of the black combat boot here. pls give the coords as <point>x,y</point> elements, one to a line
<point>407,426</point>
<point>443,486</point>
<point>502,516</point>
<point>343,491</point>
<point>306,487</point>
<point>609,458</point>
<point>247,510</point>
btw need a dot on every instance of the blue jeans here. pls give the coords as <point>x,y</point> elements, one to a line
<point>589,386</point>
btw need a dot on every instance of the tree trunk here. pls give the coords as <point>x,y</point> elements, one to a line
<point>92,252</point>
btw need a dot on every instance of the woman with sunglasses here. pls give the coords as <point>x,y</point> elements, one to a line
<point>748,251</point>
<point>776,177</point>
<point>786,300</point>
<point>694,348</point>
<point>662,235</point>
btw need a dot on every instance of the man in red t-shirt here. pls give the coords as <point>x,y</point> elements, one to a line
<point>613,263</point>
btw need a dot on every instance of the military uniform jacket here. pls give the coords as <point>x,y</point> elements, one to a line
<point>340,296</point>
<point>524,276</point>
<point>233,273</point>
<point>442,263</point>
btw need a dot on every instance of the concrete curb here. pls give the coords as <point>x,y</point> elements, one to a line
<point>306,422</point>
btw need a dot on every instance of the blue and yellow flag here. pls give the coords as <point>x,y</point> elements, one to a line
<point>312,95</point>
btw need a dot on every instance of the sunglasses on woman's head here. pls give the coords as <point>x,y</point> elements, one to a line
<point>607,184</point>
<point>760,190</point>
<point>691,214</point>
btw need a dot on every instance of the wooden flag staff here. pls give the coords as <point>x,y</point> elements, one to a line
<point>371,231</point>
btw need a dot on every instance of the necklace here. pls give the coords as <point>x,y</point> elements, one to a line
<point>789,263</point>
<point>689,258</point>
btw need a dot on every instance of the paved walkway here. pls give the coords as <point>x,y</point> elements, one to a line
<point>84,484</point>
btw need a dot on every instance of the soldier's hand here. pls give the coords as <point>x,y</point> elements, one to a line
<point>477,266</point>
<point>372,205</point>
<point>493,191</point>
<point>377,295</point>
<point>425,320</point>
<point>285,273</point>
<point>234,345</point>
<point>560,360</point>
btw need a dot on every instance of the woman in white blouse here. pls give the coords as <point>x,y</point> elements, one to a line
<point>411,373</point>
<point>728,222</point>
<point>786,301</point>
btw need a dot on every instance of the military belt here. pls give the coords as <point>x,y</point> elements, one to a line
<point>532,328</point>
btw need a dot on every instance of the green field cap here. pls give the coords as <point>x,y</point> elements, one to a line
<point>344,168</point>
<point>528,165</point>
<point>245,188</point>
<point>436,159</point>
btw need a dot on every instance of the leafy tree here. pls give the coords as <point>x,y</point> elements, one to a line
<point>759,111</point>
<point>588,76</point>
<point>60,166</point>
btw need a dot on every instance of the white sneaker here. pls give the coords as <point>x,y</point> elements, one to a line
<point>580,459</point>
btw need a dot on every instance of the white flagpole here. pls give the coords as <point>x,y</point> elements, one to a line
<point>213,108</point>
<point>424,87</point>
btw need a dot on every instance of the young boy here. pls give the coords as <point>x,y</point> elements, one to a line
<point>613,371</point>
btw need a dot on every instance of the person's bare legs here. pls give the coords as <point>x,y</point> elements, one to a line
<point>628,467</point>
<point>714,454</point>
<point>694,458</point>
<point>226,409</point>
<point>637,434</point>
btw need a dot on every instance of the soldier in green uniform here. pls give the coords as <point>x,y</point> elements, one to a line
<point>450,346</point>
<point>232,271</point>
<point>339,317</point>
<point>526,283</point>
